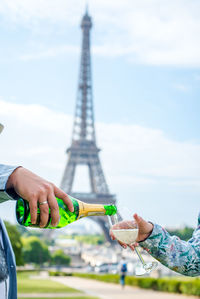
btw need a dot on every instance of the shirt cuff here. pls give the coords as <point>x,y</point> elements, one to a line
<point>4,196</point>
<point>154,239</point>
<point>5,172</point>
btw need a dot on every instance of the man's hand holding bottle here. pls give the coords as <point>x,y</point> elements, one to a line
<point>36,190</point>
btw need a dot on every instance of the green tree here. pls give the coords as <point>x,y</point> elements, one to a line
<point>184,233</point>
<point>90,239</point>
<point>25,232</point>
<point>35,251</point>
<point>16,242</point>
<point>60,258</point>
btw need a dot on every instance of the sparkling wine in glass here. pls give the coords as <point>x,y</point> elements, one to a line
<point>127,234</point>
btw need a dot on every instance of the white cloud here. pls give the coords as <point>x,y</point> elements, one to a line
<point>141,164</point>
<point>35,136</point>
<point>181,87</point>
<point>34,11</point>
<point>145,31</point>
<point>148,154</point>
<point>51,52</point>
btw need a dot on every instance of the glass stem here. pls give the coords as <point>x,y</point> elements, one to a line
<point>109,220</point>
<point>140,257</point>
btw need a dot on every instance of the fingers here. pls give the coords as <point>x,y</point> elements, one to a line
<point>122,244</point>
<point>62,195</point>
<point>137,218</point>
<point>132,246</point>
<point>116,226</point>
<point>112,235</point>
<point>54,209</point>
<point>44,211</point>
<point>49,194</point>
<point>113,238</point>
<point>33,211</point>
<point>125,224</point>
<point>142,224</point>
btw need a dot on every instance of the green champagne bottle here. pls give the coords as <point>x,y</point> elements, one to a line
<point>81,209</point>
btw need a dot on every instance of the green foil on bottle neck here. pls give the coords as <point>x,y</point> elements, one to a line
<point>110,210</point>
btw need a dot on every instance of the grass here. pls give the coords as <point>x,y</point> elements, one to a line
<point>42,286</point>
<point>26,284</point>
<point>85,297</point>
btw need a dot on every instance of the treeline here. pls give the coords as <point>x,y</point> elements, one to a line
<point>32,247</point>
<point>90,239</point>
<point>184,233</point>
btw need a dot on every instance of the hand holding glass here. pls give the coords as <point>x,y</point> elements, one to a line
<point>126,232</point>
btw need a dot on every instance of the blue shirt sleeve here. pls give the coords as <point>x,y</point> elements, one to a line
<point>5,172</point>
<point>176,254</point>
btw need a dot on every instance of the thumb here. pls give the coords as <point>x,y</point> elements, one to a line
<point>139,220</point>
<point>145,228</point>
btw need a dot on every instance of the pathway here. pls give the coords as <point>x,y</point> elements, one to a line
<point>52,295</point>
<point>113,291</point>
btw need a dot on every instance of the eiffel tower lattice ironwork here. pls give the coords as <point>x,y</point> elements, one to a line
<point>83,149</point>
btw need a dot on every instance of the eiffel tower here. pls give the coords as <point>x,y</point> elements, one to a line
<point>83,149</point>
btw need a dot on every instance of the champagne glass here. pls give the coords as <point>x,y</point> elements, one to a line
<point>128,235</point>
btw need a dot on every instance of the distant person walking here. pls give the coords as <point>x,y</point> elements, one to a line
<point>123,272</point>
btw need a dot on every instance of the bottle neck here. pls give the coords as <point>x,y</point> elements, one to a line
<point>86,209</point>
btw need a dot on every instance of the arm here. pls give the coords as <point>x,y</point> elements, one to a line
<point>35,190</point>
<point>178,255</point>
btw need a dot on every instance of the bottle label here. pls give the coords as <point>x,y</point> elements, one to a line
<point>86,209</point>
<point>96,213</point>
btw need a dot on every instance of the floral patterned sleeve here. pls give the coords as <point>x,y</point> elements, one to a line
<point>178,255</point>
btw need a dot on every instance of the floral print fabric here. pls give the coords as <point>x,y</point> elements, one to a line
<point>178,255</point>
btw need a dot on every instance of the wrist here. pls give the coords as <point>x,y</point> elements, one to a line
<point>12,180</point>
<point>149,231</point>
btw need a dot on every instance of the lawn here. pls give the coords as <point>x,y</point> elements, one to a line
<point>29,285</point>
<point>42,286</point>
<point>63,298</point>
<point>26,284</point>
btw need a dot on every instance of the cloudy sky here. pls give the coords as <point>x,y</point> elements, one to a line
<point>146,77</point>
